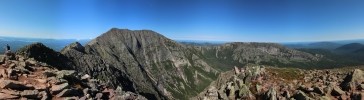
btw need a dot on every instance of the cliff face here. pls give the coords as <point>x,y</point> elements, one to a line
<point>156,67</point>
<point>153,65</point>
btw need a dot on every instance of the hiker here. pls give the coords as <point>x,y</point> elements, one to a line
<point>7,49</point>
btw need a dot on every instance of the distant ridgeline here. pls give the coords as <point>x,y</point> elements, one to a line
<point>344,53</point>
<point>16,43</point>
<point>201,42</point>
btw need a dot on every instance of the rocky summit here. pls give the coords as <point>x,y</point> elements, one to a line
<point>42,53</point>
<point>271,83</point>
<point>151,66</point>
<point>26,78</point>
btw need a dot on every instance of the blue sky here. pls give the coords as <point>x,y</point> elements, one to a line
<point>213,20</point>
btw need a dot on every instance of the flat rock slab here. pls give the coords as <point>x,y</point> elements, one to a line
<point>65,73</point>
<point>30,93</point>
<point>337,91</point>
<point>14,85</point>
<point>4,96</point>
<point>58,88</point>
<point>11,92</point>
<point>68,93</point>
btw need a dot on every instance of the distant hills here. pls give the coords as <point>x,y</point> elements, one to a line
<point>16,43</point>
<point>349,48</point>
<point>342,52</point>
<point>330,45</point>
<point>317,45</point>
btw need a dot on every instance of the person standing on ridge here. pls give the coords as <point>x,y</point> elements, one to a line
<point>7,49</point>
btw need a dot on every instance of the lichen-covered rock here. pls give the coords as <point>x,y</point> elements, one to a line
<point>32,94</point>
<point>68,93</point>
<point>211,94</point>
<point>245,93</point>
<point>301,96</point>
<point>280,83</point>
<point>58,88</point>
<point>353,80</point>
<point>318,90</point>
<point>271,94</point>
<point>65,73</point>
<point>337,91</point>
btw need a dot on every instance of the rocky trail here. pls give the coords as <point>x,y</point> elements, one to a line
<point>270,83</point>
<point>25,78</point>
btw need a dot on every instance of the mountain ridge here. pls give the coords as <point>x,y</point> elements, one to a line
<point>348,48</point>
<point>147,63</point>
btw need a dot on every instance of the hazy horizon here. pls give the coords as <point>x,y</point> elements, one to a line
<point>31,39</point>
<point>217,20</point>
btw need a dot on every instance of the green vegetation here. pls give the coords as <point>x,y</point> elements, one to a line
<point>168,65</point>
<point>193,86</point>
<point>333,60</point>
<point>286,73</point>
<point>225,61</point>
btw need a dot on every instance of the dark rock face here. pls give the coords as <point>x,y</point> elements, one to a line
<point>142,61</point>
<point>96,67</point>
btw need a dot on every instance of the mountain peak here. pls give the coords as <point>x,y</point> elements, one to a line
<point>42,53</point>
<point>76,45</point>
<point>130,38</point>
<point>114,31</point>
<point>33,49</point>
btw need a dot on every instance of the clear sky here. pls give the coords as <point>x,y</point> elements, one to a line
<point>217,20</point>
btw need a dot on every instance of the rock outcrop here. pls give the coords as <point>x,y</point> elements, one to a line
<point>270,83</point>
<point>41,53</point>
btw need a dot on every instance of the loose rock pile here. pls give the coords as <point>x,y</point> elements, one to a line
<point>267,83</point>
<point>25,78</point>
